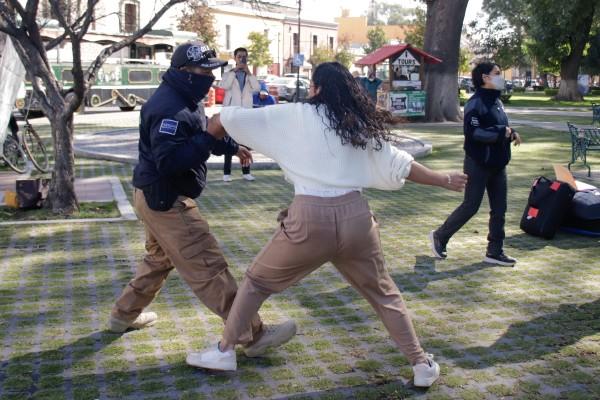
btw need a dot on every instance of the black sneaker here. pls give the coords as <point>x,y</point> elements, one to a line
<point>437,248</point>
<point>500,259</point>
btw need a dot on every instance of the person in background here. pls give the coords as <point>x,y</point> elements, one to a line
<point>371,83</point>
<point>263,98</point>
<point>175,142</point>
<point>487,152</point>
<point>239,85</point>
<point>331,148</point>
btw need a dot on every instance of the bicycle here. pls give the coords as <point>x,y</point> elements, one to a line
<point>28,146</point>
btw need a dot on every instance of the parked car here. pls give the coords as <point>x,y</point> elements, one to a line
<point>219,93</point>
<point>466,84</point>
<point>267,78</point>
<point>292,75</point>
<point>285,88</point>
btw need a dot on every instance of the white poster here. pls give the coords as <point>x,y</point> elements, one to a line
<point>12,74</point>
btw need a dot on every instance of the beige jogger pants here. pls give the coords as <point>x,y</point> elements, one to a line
<point>316,230</point>
<point>180,238</point>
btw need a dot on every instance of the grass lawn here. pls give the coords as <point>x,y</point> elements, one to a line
<point>551,118</point>
<point>539,99</point>
<point>529,332</point>
<point>86,210</point>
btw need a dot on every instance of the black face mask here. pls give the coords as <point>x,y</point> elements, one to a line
<point>192,86</point>
<point>201,84</point>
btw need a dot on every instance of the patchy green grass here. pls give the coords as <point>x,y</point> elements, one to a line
<point>527,332</point>
<point>86,210</point>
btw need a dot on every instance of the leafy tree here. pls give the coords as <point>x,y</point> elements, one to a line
<point>344,56</point>
<point>376,37</point>
<point>416,36</point>
<point>464,61</point>
<point>591,62</point>
<point>320,55</point>
<point>258,50</point>
<point>21,23</point>
<point>198,17</point>
<point>442,39</point>
<point>555,35</point>
<point>397,14</point>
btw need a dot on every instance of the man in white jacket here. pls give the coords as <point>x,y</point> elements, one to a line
<point>239,85</point>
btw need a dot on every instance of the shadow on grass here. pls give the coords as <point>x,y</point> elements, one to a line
<point>425,273</point>
<point>563,240</point>
<point>541,336</point>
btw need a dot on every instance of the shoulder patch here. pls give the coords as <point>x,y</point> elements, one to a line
<point>168,126</point>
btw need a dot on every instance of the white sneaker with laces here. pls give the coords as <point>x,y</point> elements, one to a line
<point>249,177</point>
<point>426,373</point>
<point>213,358</point>
<point>142,321</point>
<point>226,178</point>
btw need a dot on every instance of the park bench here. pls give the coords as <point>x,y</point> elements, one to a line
<point>595,113</point>
<point>582,141</point>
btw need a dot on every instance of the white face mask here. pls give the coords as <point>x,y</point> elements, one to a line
<point>498,82</point>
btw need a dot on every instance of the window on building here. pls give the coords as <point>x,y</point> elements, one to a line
<point>295,42</point>
<point>266,33</point>
<point>228,37</point>
<point>130,13</point>
<point>315,42</point>
<point>331,43</point>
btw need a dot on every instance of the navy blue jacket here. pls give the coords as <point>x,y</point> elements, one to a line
<point>485,129</point>
<point>174,145</point>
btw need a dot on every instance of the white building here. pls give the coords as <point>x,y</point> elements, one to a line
<point>115,20</point>
<point>235,20</point>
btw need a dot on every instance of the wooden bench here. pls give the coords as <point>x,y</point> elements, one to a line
<point>595,113</point>
<point>582,141</point>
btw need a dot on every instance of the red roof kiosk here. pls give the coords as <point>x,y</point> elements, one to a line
<point>402,93</point>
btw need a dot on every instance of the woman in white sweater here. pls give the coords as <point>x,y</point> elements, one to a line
<point>330,148</point>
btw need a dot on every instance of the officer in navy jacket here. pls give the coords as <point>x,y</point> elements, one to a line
<point>487,152</point>
<point>175,141</point>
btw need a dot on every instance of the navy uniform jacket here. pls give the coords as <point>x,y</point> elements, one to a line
<point>485,129</point>
<point>174,147</point>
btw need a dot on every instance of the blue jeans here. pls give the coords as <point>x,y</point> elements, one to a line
<point>480,179</point>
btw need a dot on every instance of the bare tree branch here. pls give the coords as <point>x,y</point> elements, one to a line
<point>106,52</point>
<point>89,17</point>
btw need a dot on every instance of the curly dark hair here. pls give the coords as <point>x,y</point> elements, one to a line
<point>349,110</point>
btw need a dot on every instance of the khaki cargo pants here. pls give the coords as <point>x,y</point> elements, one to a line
<point>316,230</point>
<point>180,238</point>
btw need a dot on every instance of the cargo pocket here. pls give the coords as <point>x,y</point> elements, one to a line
<point>293,228</point>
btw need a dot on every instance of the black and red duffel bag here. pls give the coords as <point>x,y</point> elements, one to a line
<point>584,214</point>
<point>547,206</point>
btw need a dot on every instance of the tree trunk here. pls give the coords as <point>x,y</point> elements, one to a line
<point>442,39</point>
<point>62,198</point>
<point>569,66</point>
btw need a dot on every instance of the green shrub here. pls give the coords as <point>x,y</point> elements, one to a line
<point>519,90</point>
<point>505,97</point>
<point>595,92</point>
<point>550,92</point>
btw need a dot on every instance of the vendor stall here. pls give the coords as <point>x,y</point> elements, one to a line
<point>401,92</point>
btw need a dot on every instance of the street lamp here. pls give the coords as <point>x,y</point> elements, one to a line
<point>298,53</point>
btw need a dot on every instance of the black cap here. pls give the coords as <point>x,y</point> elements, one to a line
<point>196,54</point>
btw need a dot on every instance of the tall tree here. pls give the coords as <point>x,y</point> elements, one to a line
<point>442,39</point>
<point>198,17</point>
<point>556,34</point>
<point>258,50</point>
<point>416,36</point>
<point>376,37</point>
<point>560,32</point>
<point>58,103</point>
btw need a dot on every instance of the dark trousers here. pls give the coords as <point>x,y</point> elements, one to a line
<point>480,179</point>
<point>227,166</point>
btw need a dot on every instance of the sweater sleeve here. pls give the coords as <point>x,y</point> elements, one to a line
<point>252,128</point>
<point>389,167</point>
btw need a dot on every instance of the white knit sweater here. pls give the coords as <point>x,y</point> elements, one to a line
<point>312,155</point>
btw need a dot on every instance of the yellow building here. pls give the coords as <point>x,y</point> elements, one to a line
<point>353,30</point>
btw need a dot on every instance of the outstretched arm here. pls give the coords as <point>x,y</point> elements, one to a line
<point>452,181</point>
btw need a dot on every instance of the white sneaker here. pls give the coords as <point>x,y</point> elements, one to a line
<point>249,177</point>
<point>226,178</point>
<point>273,336</point>
<point>213,358</point>
<point>142,321</point>
<point>426,373</point>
